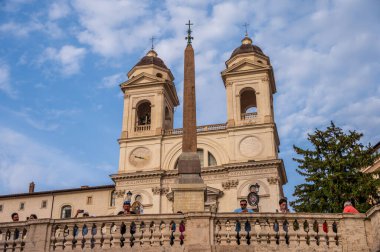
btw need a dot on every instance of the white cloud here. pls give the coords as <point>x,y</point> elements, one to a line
<point>23,159</point>
<point>112,80</point>
<point>108,26</point>
<point>5,84</point>
<point>20,29</point>
<point>14,5</point>
<point>58,10</point>
<point>68,58</point>
<point>47,119</point>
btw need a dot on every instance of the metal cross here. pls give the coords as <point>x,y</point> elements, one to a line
<point>152,38</point>
<point>189,38</point>
<point>246,29</point>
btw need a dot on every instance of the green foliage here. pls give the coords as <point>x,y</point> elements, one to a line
<point>332,171</point>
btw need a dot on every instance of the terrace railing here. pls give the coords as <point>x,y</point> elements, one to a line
<point>203,128</point>
<point>203,231</point>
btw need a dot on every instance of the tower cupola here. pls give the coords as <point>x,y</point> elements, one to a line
<point>153,65</point>
<point>247,47</point>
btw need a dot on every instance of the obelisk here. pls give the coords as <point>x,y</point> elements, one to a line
<point>190,189</point>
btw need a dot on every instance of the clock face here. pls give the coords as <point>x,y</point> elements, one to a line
<point>140,157</point>
<point>253,199</point>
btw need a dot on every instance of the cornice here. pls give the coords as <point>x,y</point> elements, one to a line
<point>275,163</point>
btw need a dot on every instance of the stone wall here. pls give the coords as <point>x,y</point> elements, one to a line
<point>198,232</point>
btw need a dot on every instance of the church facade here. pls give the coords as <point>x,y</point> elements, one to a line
<point>239,158</point>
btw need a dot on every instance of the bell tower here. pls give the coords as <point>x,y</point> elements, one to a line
<point>149,101</point>
<point>250,85</point>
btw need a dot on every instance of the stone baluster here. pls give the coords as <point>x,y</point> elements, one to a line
<point>96,236</point>
<point>59,239</point>
<point>295,238</point>
<point>115,235</point>
<point>142,231</point>
<point>86,236</point>
<point>285,228</point>
<point>237,232</point>
<point>68,236</point>
<point>315,233</point>
<point>259,230</point>
<point>218,231</point>
<point>75,233</point>
<point>162,230</point>
<point>306,229</point>
<point>123,232</point>
<point>247,232</point>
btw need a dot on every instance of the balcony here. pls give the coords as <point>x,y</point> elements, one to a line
<point>203,128</point>
<point>203,231</point>
<point>248,116</point>
<point>141,128</point>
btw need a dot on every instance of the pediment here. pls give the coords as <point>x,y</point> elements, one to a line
<point>213,191</point>
<point>245,65</point>
<point>142,78</point>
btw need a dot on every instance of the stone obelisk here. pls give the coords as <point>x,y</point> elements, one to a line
<point>189,192</point>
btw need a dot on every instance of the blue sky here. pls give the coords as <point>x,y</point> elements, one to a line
<point>61,63</point>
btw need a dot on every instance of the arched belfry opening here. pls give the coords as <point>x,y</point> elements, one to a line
<point>248,103</point>
<point>168,119</point>
<point>143,117</point>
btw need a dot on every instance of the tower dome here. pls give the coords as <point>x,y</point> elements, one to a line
<point>247,47</point>
<point>151,59</point>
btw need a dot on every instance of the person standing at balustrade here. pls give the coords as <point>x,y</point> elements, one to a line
<point>127,208</point>
<point>349,208</point>
<point>243,207</point>
<point>15,217</point>
<point>283,203</point>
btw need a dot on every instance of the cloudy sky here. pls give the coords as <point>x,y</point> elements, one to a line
<point>61,63</point>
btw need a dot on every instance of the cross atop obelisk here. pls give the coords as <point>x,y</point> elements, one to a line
<point>190,189</point>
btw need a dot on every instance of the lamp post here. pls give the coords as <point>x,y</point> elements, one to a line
<point>129,196</point>
<point>253,196</point>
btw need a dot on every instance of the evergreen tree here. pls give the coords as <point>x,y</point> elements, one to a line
<point>332,171</point>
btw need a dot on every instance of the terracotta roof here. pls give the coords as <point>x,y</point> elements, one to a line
<point>151,60</point>
<point>83,188</point>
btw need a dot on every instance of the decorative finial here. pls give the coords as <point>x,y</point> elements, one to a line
<point>246,29</point>
<point>189,38</point>
<point>152,39</point>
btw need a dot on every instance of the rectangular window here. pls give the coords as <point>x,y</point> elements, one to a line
<point>89,200</point>
<point>44,204</point>
<point>22,206</point>
<point>1,208</point>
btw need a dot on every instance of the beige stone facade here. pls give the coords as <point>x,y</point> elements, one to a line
<point>234,155</point>
<point>240,152</point>
<point>97,201</point>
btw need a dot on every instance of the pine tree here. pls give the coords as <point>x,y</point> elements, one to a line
<point>332,171</point>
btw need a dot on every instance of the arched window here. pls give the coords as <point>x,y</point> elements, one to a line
<point>168,119</point>
<point>66,212</point>
<point>211,159</point>
<point>112,198</point>
<point>138,198</point>
<point>248,103</point>
<point>206,160</point>
<point>200,155</point>
<point>144,113</point>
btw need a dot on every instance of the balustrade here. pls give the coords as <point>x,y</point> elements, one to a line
<point>213,231</point>
<point>247,116</point>
<point>12,237</point>
<point>140,128</point>
<point>289,230</point>
<point>116,232</point>
<point>203,128</point>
